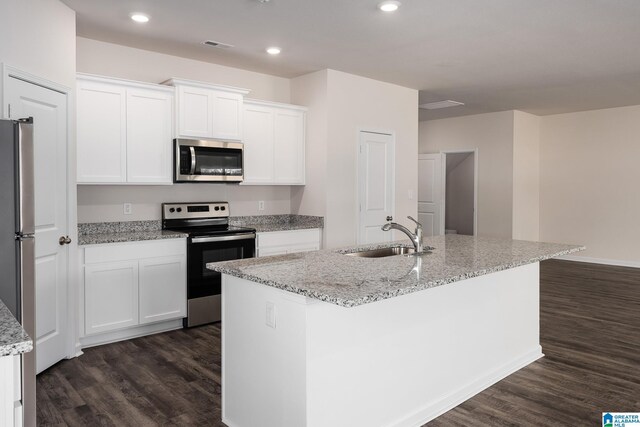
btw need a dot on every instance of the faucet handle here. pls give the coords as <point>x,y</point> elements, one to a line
<point>418,225</point>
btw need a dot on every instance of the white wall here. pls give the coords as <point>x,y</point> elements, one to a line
<point>97,57</point>
<point>360,103</point>
<point>38,36</point>
<point>340,105</point>
<point>311,90</point>
<point>104,203</point>
<point>589,182</point>
<point>492,134</point>
<point>526,176</point>
<point>459,194</point>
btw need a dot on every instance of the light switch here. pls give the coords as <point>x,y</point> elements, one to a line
<point>127,209</point>
<point>261,205</point>
<point>271,315</point>
<point>410,194</point>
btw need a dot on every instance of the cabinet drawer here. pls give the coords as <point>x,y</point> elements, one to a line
<point>111,252</point>
<point>288,238</point>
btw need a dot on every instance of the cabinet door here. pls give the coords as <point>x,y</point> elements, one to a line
<point>227,115</point>
<point>149,136</point>
<point>101,147</point>
<point>163,289</point>
<point>195,112</point>
<point>258,144</point>
<point>111,296</point>
<point>289,146</point>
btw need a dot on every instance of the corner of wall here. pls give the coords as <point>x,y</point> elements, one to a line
<point>526,176</point>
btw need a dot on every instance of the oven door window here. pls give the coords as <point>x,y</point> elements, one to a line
<point>204,282</point>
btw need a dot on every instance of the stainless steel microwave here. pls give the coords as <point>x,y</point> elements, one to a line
<point>207,161</point>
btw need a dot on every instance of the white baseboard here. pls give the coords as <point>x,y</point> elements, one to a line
<point>605,261</point>
<point>126,334</point>
<point>435,409</point>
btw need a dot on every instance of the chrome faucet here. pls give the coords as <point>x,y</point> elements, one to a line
<point>416,238</point>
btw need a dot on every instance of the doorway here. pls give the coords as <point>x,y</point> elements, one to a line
<point>459,192</point>
<point>448,192</point>
<point>25,97</point>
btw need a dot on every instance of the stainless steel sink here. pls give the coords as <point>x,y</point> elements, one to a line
<point>383,252</point>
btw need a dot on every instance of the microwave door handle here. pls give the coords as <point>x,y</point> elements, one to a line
<point>193,161</point>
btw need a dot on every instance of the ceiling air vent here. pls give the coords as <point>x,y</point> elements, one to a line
<point>440,104</point>
<point>219,45</point>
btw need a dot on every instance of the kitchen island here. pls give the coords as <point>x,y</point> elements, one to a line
<point>327,338</point>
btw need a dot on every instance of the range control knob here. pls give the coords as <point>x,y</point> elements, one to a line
<point>172,210</point>
<point>222,208</point>
<point>179,209</point>
<point>217,208</point>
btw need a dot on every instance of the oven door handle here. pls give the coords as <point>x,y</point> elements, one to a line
<point>243,236</point>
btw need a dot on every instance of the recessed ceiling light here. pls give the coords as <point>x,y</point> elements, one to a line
<point>389,6</point>
<point>440,104</point>
<point>139,17</point>
<point>273,50</point>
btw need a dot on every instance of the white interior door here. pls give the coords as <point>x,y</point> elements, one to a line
<point>49,111</point>
<point>375,186</point>
<point>430,193</point>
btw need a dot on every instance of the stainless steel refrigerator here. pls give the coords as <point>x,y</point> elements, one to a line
<point>17,242</point>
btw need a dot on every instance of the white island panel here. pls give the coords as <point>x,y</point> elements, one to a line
<point>397,362</point>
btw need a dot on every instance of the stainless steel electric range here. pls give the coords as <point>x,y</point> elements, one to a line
<point>211,239</point>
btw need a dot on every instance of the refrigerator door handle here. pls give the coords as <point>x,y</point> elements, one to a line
<point>25,182</point>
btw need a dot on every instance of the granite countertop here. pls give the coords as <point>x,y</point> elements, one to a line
<point>267,223</point>
<point>96,233</point>
<point>13,339</point>
<point>348,281</point>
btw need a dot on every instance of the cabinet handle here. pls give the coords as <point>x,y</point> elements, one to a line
<point>389,218</point>
<point>64,240</point>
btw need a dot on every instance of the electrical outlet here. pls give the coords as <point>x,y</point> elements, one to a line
<point>261,205</point>
<point>271,315</point>
<point>127,209</point>
<point>410,194</point>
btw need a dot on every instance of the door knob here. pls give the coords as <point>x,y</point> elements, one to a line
<point>389,218</point>
<point>64,240</point>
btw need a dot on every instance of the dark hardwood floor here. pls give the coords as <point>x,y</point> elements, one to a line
<point>590,334</point>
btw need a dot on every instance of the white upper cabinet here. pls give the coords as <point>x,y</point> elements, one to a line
<point>258,144</point>
<point>149,121</point>
<point>289,146</point>
<point>274,143</point>
<point>124,131</point>
<point>208,111</point>
<point>195,112</point>
<point>102,131</point>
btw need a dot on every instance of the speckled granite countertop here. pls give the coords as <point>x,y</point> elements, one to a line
<point>96,233</point>
<point>349,281</point>
<point>267,223</point>
<point>13,339</point>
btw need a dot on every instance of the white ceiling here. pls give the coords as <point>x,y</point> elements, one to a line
<point>539,56</point>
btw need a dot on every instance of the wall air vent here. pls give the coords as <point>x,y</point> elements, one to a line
<point>219,45</point>
<point>440,104</point>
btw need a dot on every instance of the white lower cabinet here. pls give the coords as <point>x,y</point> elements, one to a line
<point>160,299</point>
<point>129,285</point>
<point>287,242</point>
<point>10,391</point>
<point>111,296</point>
